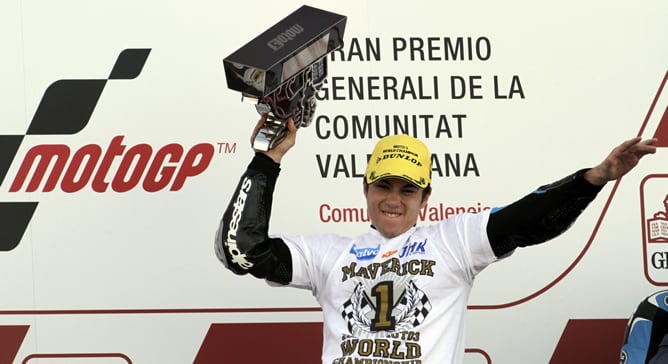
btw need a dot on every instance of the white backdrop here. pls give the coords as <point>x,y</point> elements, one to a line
<point>573,79</point>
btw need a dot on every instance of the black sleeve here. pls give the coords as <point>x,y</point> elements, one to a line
<point>242,241</point>
<point>541,215</point>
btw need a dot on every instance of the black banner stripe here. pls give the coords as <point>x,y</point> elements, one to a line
<point>9,145</point>
<point>14,220</point>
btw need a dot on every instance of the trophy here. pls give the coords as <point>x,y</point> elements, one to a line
<point>282,69</point>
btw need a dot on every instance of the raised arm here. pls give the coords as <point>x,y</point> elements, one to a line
<point>242,242</point>
<point>552,209</point>
<point>621,160</point>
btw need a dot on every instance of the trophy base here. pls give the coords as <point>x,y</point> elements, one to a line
<point>295,100</point>
<point>271,134</point>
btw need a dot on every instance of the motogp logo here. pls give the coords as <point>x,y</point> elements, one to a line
<point>171,164</point>
<point>65,109</point>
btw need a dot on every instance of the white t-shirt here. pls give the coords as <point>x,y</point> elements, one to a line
<point>394,301</point>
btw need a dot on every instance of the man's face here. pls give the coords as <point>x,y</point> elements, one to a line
<point>393,205</point>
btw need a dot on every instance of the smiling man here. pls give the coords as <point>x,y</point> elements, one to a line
<point>398,293</point>
<point>397,183</point>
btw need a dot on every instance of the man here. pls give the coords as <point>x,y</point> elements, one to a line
<point>398,294</point>
<point>646,335</point>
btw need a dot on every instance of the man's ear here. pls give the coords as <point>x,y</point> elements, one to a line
<point>425,199</point>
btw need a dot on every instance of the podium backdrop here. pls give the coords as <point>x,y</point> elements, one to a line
<point>120,146</point>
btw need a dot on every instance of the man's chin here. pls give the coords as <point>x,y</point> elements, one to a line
<point>390,232</point>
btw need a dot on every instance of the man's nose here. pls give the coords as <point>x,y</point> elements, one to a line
<point>393,198</point>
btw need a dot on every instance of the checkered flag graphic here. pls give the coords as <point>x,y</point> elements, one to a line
<point>412,308</point>
<point>355,310</point>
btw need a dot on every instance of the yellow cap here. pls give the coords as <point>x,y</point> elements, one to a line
<point>400,156</point>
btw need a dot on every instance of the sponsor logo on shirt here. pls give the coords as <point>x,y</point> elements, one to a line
<point>416,247</point>
<point>389,254</point>
<point>365,253</point>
